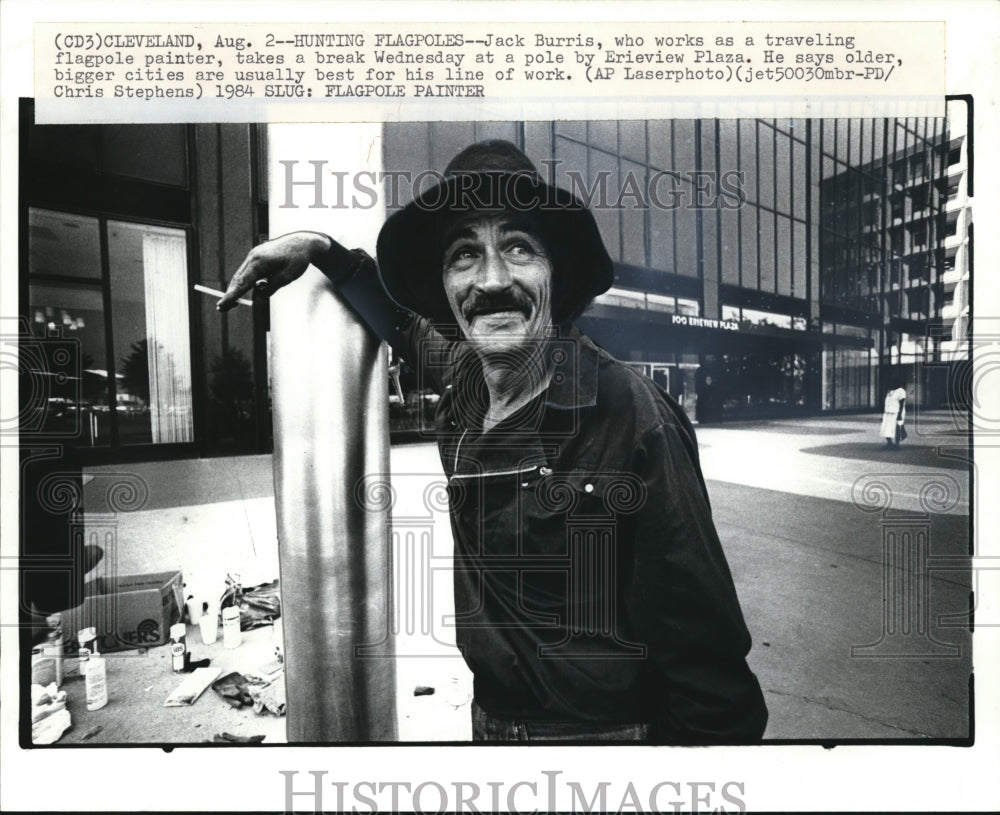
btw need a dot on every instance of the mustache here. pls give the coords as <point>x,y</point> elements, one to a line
<point>489,302</point>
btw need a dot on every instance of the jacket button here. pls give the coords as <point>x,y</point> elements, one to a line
<point>544,470</point>
<point>588,487</point>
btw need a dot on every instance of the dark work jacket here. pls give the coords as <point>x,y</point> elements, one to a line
<point>590,584</point>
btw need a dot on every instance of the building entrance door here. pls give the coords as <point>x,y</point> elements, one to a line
<point>660,374</point>
<point>679,382</point>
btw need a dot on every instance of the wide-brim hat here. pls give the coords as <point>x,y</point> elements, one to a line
<point>491,176</point>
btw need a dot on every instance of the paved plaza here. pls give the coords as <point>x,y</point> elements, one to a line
<point>851,564</point>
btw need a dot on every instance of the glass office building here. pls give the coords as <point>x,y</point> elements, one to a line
<point>118,223</point>
<point>762,267</point>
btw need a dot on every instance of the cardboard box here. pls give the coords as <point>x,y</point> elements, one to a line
<point>128,611</point>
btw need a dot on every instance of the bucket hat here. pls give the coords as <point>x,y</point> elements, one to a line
<point>492,176</point>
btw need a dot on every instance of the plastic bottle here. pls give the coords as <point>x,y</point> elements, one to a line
<point>97,679</point>
<point>54,647</point>
<point>209,624</point>
<point>87,638</point>
<point>231,636</point>
<point>178,647</point>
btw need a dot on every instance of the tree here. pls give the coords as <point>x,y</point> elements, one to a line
<point>135,370</point>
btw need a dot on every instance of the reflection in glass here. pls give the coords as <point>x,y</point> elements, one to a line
<point>62,244</point>
<point>148,268</point>
<point>152,152</point>
<point>75,394</point>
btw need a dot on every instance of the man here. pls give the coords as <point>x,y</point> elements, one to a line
<point>593,599</point>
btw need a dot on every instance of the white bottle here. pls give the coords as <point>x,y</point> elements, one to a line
<point>97,679</point>
<point>54,646</point>
<point>231,637</point>
<point>178,646</point>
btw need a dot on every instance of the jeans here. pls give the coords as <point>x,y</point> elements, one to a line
<point>486,727</point>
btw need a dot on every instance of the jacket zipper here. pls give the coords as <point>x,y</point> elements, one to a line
<point>519,471</point>
<point>458,449</point>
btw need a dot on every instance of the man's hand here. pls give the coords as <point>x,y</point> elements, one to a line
<point>277,263</point>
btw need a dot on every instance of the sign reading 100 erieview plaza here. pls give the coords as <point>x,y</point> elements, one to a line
<point>705,322</point>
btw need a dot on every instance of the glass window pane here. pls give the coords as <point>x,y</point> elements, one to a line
<point>855,127</point>
<point>783,172</point>
<point>784,259</point>
<point>879,148</point>
<point>571,167</point>
<point>748,158</point>
<point>730,261</point>
<point>496,130</point>
<point>767,254</point>
<point>829,168</point>
<point>152,343</point>
<point>765,156</point>
<point>447,140</point>
<point>575,130</point>
<point>727,146</point>
<point>661,225</point>
<point>828,136</point>
<point>799,189</point>
<point>687,241</point>
<point>633,140</point>
<point>799,262</point>
<point>409,145</point>
<point>843,141</point>
<point>604,169</point>
<point>150,152</point>
<point>660,155</point>
<point>63,244</point>
<point>75,145</point>
<point>604,135</point>
<point>692,308</point>
<point>748,245</point>
<point>633,202</point>
<point>684,161</point>
<point>708,143</point>
<point>709,223</point>
<point>75,312</point>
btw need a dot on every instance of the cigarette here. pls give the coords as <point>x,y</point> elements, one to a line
<point>217,293</point>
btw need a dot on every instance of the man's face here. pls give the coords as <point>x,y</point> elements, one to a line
<point>498,280</point>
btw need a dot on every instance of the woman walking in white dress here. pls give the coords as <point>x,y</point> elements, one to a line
<point>893,416</point>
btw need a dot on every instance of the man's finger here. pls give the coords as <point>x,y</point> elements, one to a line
<point>241,283</point>
<point>206,290</point>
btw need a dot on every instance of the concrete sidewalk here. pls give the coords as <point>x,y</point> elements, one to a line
<point>799,505</point>
<point>826,457</point>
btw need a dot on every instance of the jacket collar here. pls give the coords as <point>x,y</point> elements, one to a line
<point>574,379</point>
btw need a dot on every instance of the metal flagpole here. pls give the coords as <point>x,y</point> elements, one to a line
<point>331,432</point>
